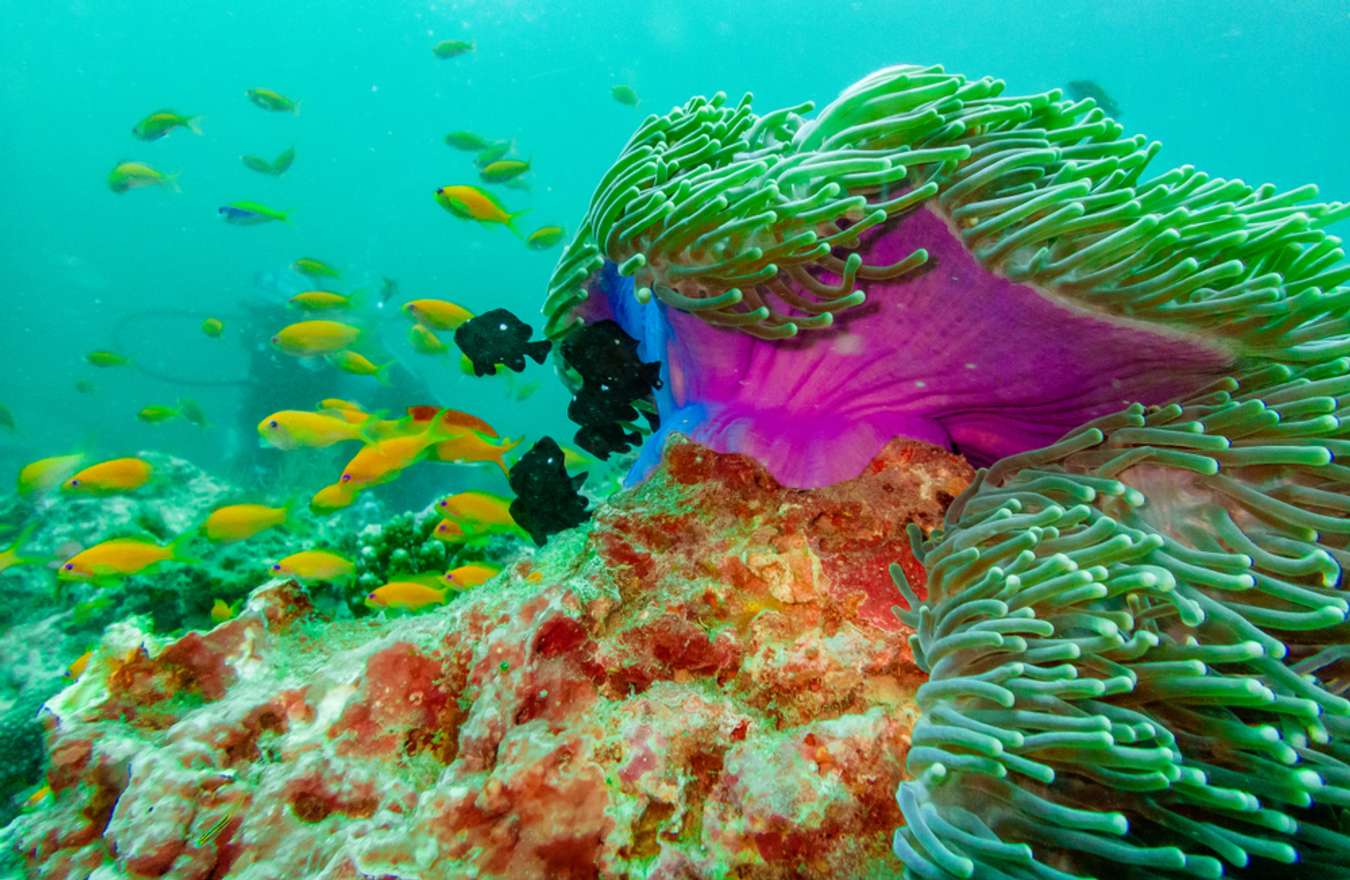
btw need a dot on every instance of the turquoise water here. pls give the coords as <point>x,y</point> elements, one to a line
<point>1253,90</point>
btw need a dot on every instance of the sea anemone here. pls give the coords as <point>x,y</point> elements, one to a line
<point>1133,623</point>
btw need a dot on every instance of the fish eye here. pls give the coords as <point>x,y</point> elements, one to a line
<point>74,482</point>
<point>70,566</point>
<point>346,478</point>
<point>272,423</point>
<point>370,596</point>
<point>276,566</point>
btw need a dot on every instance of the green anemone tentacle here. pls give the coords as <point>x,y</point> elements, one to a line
<point>1136,637</point>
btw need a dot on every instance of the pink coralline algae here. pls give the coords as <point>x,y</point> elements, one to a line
<point>706,681</point>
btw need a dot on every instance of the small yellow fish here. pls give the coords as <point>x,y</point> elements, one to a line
<point>159,123</point>
<point>9,556</point>
<point>213,327</point>
<point>339,403</point>
<point>440,314</point>
<point>449,531</point>
<point>320,301</point>
<point>221,612</point>
<point>408,595</point>
<point>359,365</point>
<point>138,175</point>
<point>451,48</point>
<point>382,460</point>
<point>315,337</point>
<point>474,446</point>
<point>625,95</point>
<point>314,268</point>
<point>239,522</point>
<point>38,796</point>
<point>503,170</point>
<point>472,203</point>
<point>269,99</point>
<point>545,237</point>
<point>465,140</point>
<point>77,667</point>
<point>120,556</point>
<point>478,511</point>
<point>426,342</point>
<point>189,410</point>
<point>575,458</point>
<point>296,428</point>
<point>48,473</point>
<point>114,475</point>
<point>107,359</point>
<point>315,565</point>
<point>471,575</point>
<point>333,497</point>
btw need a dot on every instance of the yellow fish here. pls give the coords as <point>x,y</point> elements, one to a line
<point>359,365</point>
<point>333,497</point>
<point>438,313</point>
<point>294,428</point>
<point>239,522</point>
<point>107,359</point>
<point>315,565</point>
<point>221,612</point>
<point>449,531</point>
<point>46,474</point>
<point>80,663</point>
<point>114,475</point>
<point>9,557</point>
<point>406,594</point>
<point>320,301</point>
<point>472,203</point>
<point>425,342</point>
<point>137,175</point>
<point>474,446</point>
<point>471,574</point>
<point>270,99</point>
<point>315,337</point>
<point>159,123</point>
<point>336,403</point>
<point>213,327</point>
<point>478,511</point>
<point>120,556</point>
<point>314,268</point>
<point>545,237</point>
<point>382,460</point>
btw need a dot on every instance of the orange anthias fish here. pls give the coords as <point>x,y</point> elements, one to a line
<point>315,565</point>
<point>294,428</point>
<point>114,475</point>
<point>449,531</point>
<point>238,522</point>
<point>306,338</point>
<point>474,446</point>
<point>407,592</point>
<point>478,512</point>
<point>120,556</point>
<point>77,667</point>
<point>472,203</point>
<point>440,314</point>
<point>334,496</point>
<point>46,474</point>
<point>470,575</point>
<point>382,460</point>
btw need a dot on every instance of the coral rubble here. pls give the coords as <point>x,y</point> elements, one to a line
<point>704,681</point>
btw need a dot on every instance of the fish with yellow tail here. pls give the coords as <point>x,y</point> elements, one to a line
<point>159,123</point>
<point>360,365</point>
<point>424,341</point>
<point>296,428</point>
<point>107,359</point>
<point>332,497</point>
<point>11,555</point>
<point>46,474</point>
<point>126,176</point>
<point>121,557</point>
<point>472,203</point>
<point>478,513</point>
<point>239,522</point>
<point>251,214</point>
<point>114,475</point>
<point>222,611</point>
<point>189,410</point>
<point>439,314</point>
<point>309,338</point>
<point>273,101</point>
<point>470,575</point>
<point>321,301</point>
<point>315,565</point>
<point>408,593</point>
<point>382,460</point>
<point>313,267</point>
<point>475,446</point>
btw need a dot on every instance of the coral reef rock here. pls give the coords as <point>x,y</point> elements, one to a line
<point>706,680</point>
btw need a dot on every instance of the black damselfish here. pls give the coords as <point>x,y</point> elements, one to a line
<point>546,499</point>
<point>498,337</point>
<point>613,379</point>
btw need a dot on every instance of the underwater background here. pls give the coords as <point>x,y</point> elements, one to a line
<point>147,279</point>
<point>1249,90</point>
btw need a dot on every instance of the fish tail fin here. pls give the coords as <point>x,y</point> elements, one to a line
<point>511,223</point>
<point>178,548</point>
<point>538,350</point>
<point>499,458</point>
<point>295,107</point>
<point>192,411</point>
<point>194,124</point>
<point>382,373</point>
<point>171,182</point>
